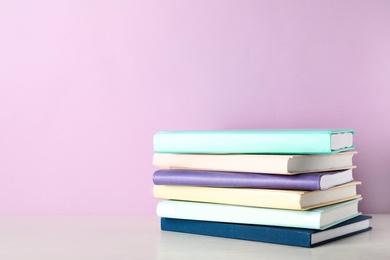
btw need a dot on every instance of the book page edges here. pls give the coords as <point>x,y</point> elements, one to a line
<point>331,202</point>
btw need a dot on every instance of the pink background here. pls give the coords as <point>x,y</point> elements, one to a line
<point>84,85</point>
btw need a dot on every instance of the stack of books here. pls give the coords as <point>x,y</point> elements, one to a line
<point>291,187</point>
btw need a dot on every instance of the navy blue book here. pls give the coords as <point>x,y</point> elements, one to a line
<point>270,234</point>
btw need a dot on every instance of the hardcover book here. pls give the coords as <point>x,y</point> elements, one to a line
<point>308,181</point>
<point>267,198</point>
<point>319,218</point>
<point>255,163</point>
<point>270,234</point>
<point>261,141</point>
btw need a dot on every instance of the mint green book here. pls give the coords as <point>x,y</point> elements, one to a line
<point>256,141</point>
<point>319,218</point>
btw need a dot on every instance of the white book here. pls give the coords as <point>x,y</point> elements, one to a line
<point>319,218</point>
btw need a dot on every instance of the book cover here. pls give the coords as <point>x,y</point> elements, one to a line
<point>308,181</point>
<point>270,234</point>
<point>257,141</point>
<point>319,218</point>
<point>267,198</point>
<point>256,163</point>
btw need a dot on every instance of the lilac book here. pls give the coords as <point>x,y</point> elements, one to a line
<point>307,181</point>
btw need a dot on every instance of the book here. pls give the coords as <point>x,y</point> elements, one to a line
<point>319,218</point>
<point>256,163</point>
<point>270,234</point>
<point>267,198</point>
<point>308,181</point>
<point>260,141</point>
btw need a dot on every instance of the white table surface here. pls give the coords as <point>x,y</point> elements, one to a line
<point>140,237</point>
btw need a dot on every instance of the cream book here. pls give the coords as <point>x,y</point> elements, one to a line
<point>256,163</point>
<point>267,198</point>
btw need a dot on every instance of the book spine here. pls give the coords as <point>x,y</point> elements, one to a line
<point>239,214</point>
<point>246,142</point>
<point>234,179</point>
<point>233,163</point>
<point>269,234</point>
<point>233,196</point>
